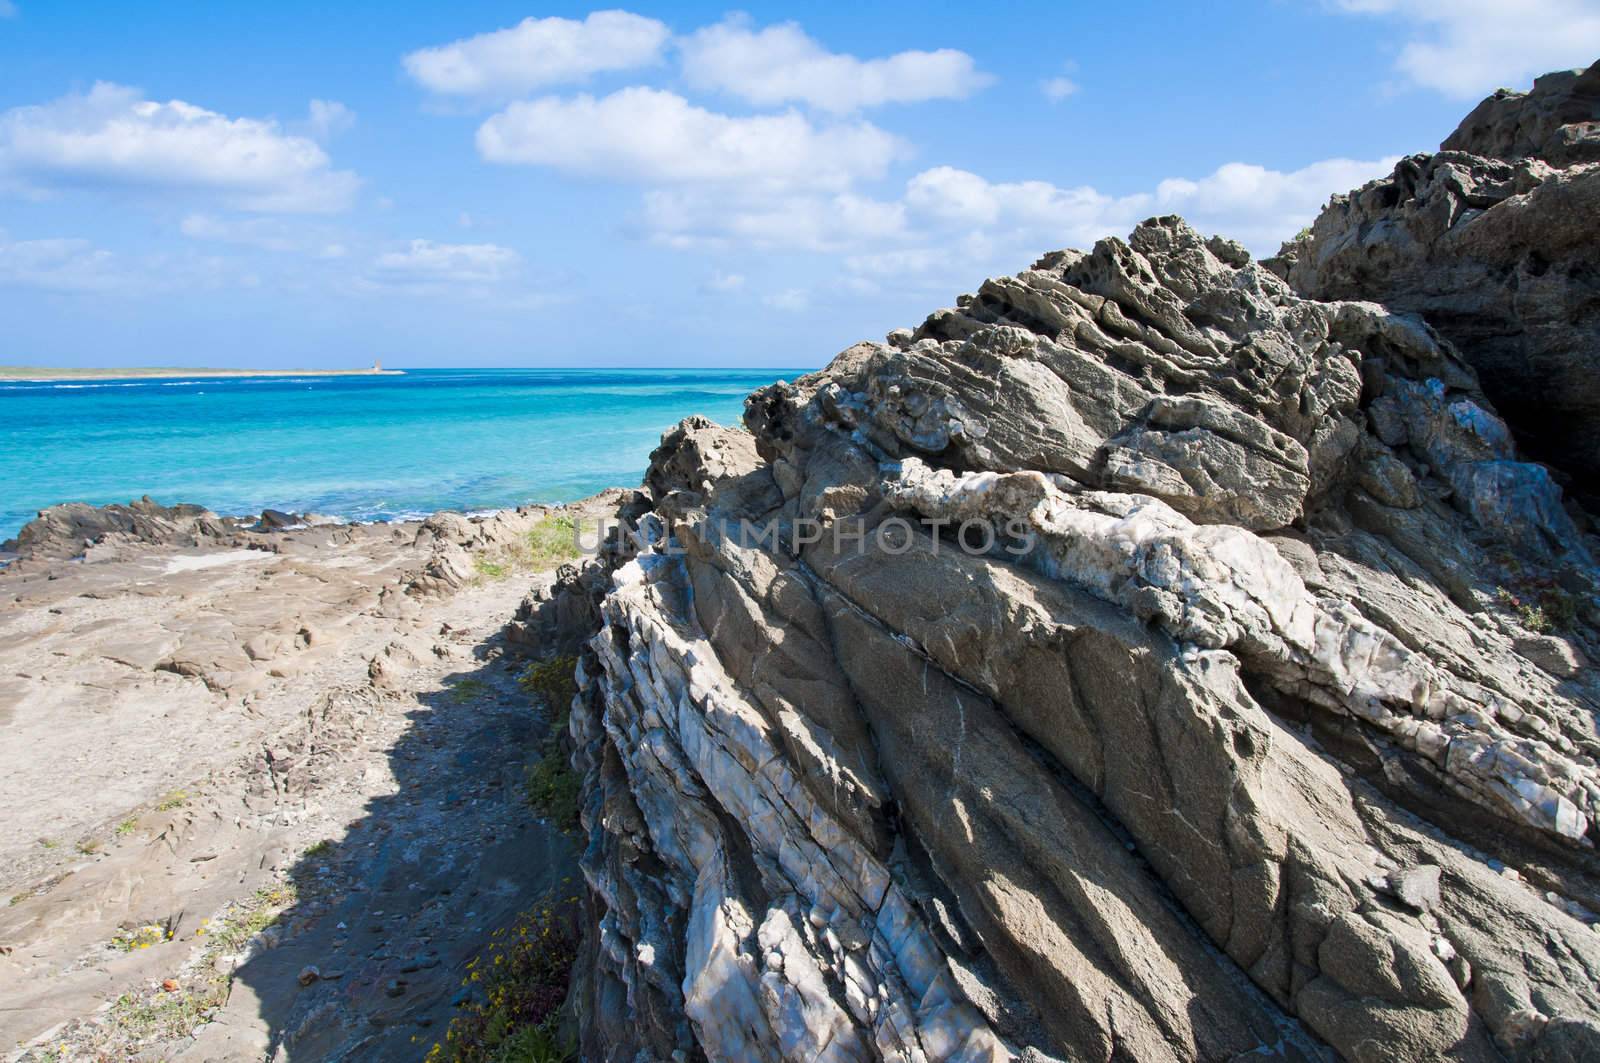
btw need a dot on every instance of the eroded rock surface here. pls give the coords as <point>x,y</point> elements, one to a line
<point>1136,661</point>
<point>1492,240</point>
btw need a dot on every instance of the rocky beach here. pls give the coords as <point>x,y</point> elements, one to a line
<point>1160,654</point>
<point>241,751</point>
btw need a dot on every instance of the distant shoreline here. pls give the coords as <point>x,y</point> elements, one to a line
<point>44,374</point>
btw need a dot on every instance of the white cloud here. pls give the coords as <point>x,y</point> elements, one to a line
<point>58,265</point>
<point>1467,48</point>
<point>425,262</point>
<point>1260,207</point>
<point>1252,204</point>
<point>538,52</point>
<point>1058,88</point>
<point>781,64</point>
<point>790,300</point>
<point>1080,215</point>
<point>327,119</point>
<point>654,136</point>
<point>724,282</point>
<point>112,138</point>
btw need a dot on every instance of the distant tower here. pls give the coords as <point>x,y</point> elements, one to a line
<point>377,366</point>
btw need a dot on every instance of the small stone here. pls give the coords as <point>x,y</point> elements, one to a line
<point>395,988</point>
<point>170,985</point>
<point>1416,887</point>
<point>308,974</point>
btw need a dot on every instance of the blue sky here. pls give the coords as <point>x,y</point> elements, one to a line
<point>491,183</point>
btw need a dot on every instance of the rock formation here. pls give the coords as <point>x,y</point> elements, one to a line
<point>1492,241</point>
<point>1136,661</point>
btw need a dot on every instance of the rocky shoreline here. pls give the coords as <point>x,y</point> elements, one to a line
<point>1224,690</point>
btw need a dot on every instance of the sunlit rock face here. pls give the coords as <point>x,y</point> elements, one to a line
<point>1493,241</point>
<point>1136,661</point>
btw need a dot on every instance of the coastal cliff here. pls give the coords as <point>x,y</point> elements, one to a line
<point>1138,660</point>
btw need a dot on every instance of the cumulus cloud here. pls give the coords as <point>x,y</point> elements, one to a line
<point>1467,48</point>
<point>538,52</point>
<point>1255,205</point>
<point>1261,207</point>
<point>58,265</point>
<point>113,139</point>
<point>655,136</point>
<point>781,64</point>
<point>425,262</point>
<point>960,198</point>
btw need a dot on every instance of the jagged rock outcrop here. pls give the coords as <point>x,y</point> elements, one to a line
<point>1492,241</point>
<point>67,530</point>
<point>1136,661</point>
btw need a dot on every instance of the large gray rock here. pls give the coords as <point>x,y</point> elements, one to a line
<point>68,529</point>
<point>1492,241</point>
<point>1129,663</point>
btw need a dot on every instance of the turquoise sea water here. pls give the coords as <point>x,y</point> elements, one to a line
<point>360,447</point>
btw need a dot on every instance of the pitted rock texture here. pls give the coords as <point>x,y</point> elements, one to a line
<point>1492,241</point>
<point>1132,662</point>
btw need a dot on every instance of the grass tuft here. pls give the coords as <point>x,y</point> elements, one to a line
<point>469,689</point>
<point>553,540</point>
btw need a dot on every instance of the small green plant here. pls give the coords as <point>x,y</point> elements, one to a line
<point>127,827</point>
<point>167,1016</point>
<point>320,848</point>
<point>492,569</point>
<point>1303,234</point>
<point>175,799</point>
<point>469,689</point>
<point>88,847</point>
<point>554,789</point>
<point>1540,608</point>
<point>521,981</point>
<point>141,937</point>
<point>49,843</point>
<point>233,930</point>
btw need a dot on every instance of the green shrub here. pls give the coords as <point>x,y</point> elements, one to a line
<point>552,680</point>
<point>553,787</point>
<point>521,982</point>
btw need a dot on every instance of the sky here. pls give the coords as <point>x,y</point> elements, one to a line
<point>513,184</point>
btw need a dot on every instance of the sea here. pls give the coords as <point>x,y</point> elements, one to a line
<point>361,448</point>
